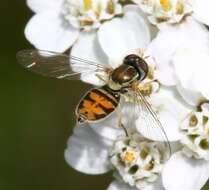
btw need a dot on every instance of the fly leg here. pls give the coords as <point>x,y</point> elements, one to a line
<point>142,54</point>
<point>124,128</point>
<point>101,78</point>
<point>120,124</point>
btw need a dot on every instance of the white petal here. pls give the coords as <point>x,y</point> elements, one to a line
<point>157,185</point>
<point>170,110</point>
<point>44,5</point>
<point>185,173</point>
<point>87,152</point>
<point>109,127</point>
<point>190,96</point>
<point>121,35</point>
<point>200,8</point>
<point>46,31</point>
<point>87,48</point>
<point>171,38</point>
<point>192,67</point>
<point>117,185</point>
<point>135,9</point>
<point>166,75</point>
<point>176,146</point>
<point>162,49</point>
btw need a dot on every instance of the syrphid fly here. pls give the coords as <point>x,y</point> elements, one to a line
<point>100,102</point>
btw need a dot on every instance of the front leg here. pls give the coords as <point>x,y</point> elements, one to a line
<point>101,78</point>
<point>120,123</point>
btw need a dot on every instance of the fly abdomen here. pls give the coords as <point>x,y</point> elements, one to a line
<point>97,104</point>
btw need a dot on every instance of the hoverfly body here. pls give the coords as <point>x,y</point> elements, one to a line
<point>100,102</point>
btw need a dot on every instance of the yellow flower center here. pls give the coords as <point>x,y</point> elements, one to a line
<point>207,130</point>
<point>110,7</point>
<point>193,121</point>
<point>166,5</point>
<point>87,4</point>
<point>129,157</point>
<point>180,7</point>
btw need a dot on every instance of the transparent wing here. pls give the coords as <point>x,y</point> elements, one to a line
<point>57,65</point>
<point>148,123</point>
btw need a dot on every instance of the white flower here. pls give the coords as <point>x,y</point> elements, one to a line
<point>188,167</point>
<point>87,152</point>
<point>174,11</point>
<point>182,52</point>
<point>196,134</point>
<point>195,80</point>
<point>92,154</point>
<point>181,172</point>
<point>56,25</point>
<point>89,14</point>
<point>136,161</point>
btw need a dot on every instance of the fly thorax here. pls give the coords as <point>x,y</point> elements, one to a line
<point>114,85</point>
<point>122,77</point>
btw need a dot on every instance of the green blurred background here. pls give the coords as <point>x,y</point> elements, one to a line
<point>36,117</point>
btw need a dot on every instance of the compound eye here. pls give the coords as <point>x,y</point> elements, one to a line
<point>131,59</point>
<point>138,63</point>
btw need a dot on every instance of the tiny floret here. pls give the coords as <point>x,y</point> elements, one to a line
<point>138,162</point>
<point>169,11</point>
<point>196,134</point>
<point>90,14</point>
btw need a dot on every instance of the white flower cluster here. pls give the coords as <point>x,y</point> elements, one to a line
<point>173,11</point>
<point>172,36</point>
<point>137,161</point>
<point>90,14</point>
<point>170,11</point>
<point>196,134</point>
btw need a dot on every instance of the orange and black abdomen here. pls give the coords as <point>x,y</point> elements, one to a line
<point>97,104</point>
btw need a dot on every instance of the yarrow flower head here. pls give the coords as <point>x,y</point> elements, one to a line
<point>137,161</point>
<point>170,11</point>
<point>173,11</point>
<point>196,134</point>
<point>183,56</point>
<point>90,14</point>
<point>192,156</point>
<point>57,25</point>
